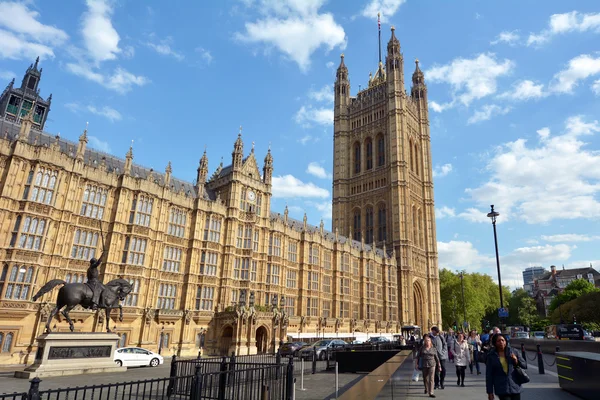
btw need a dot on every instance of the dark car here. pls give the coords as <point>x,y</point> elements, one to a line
<point>378,339</point>
<point>291,348</point>
<point>321,347</point>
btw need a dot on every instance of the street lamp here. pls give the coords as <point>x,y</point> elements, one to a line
<point>493,215</point>
<point>274,302</point>
<point>242,298</point>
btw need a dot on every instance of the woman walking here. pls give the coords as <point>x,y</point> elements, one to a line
<point>501,361</point>
<point>462,358</point>
<point>428,362</point>
<point>474,346</point>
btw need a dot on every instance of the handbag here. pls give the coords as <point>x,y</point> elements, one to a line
<point>519,376</point>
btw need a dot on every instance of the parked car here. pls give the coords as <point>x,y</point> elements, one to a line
<point>291,348</point>
<point>377,339</point>
<point>538,335</point>
<point>521,335</point>
<point>321,346</point>
<point>137,357</point>
<point>588,336</point>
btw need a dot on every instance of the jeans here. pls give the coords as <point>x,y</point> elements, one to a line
<point>474,361</point>
<point>516,396</point>
<point>460,374</point>
<point>440,375</point>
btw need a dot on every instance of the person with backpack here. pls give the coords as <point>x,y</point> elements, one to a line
<point>442,350</point>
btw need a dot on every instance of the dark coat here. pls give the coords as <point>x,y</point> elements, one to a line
<point>496,381</point>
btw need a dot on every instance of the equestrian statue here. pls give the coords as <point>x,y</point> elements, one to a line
<point>92,294</point>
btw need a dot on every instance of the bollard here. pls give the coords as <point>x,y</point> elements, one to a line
<point>264,392</point>
<point>302,375</point>
<point>34,389</point>
<point>557,349</point>
<point>314,361</point>
<point>196,385</point>
<point>290,380</point>
<point>523,354</point>
<point>199,354</point>
<point>540,358</point>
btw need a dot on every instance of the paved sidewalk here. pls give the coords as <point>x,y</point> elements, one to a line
<point>541,387</point>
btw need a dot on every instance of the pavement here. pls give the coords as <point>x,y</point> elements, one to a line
<point>541,387</point>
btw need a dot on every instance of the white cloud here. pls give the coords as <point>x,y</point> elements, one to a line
<point>316,170</point>
<point>7,75</point>
<point>444,212</point>
<point>569,237</point>
<point>288,186</point>
<point>456,255</point>
<point>295,28</point>
<point>99,36</point>
<point>525,90</point>
<point>307,115</point>
<point>596,87</point>
<point>121,81</point>
<point>509,37</point>
<point>325,94</point>
<point>16,48</point>
<point>556,179</point>
<point>205,55</point>
<point>305,139</point>
<point>128,52</point>
<point>579,68</point>
<point>107,112</point>
<point>573,21</point>
<point>441,171</point>
<point>474,215</point>
<point>18,18</point>
<point>99,144</point>
<point>436,107</point>
<point>163,47</point>
<point>325,208</point>
<point>543,133</point>
<point>487,112</point>
<point>330,64</point>
<point>470,79</point>
<point>387,8</point>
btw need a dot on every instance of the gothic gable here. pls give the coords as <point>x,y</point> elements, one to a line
<point>250,167</point>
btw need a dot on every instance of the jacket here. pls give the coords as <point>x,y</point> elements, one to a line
<point>441,346</point>
<point>428,357</point>
<point>496,381</point>
<point>462,356</point>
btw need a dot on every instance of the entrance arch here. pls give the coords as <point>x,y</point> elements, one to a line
<point>419,307</point>
<point>226,338</point>
<point>262,340</point>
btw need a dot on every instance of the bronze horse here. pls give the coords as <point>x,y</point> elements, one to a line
<point>72,294</point>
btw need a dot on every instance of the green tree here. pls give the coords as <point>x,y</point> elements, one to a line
<point>522,309</point>
<point>584,308</point>
<point>575,289</point>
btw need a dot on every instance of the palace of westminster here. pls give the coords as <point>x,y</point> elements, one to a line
<point>213,269</point>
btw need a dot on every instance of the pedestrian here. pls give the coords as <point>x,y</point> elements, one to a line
<point>501,361</point>
<point>429,363</point>
<point>450,340</point>
<point>442,350</point>
<point>474,347</point>
<point>462,358</point>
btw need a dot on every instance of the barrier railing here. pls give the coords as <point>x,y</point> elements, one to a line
<point>539,356</point>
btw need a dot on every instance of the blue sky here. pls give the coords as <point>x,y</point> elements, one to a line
<point>514,90</point>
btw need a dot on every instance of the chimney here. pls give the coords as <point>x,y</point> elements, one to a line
<point>553,270</point>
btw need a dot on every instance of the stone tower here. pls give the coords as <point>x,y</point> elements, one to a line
<point>382,182</point>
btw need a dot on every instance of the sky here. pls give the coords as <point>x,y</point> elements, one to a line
<point>513,87</point>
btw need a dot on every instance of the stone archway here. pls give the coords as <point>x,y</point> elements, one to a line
<point>262,340</point>
<point>225,342</point>
<point>419,307</point>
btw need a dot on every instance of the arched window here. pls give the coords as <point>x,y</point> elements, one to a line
<point>7,343</point>
<point>414,225</point>
<point>416,159</point>
<point>380,151</point>
<point>357,158</point>
<point>412,160</point>
<point>123,340</point>
<point>381,224</point>
<point>369,150</point>
<point>165,339</point>
<point>421,224</point>
<point>369,225</point>
<point>356,227</point>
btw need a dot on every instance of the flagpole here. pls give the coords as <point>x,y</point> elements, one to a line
<point>379,29</point>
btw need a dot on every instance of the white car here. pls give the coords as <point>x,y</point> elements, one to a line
<point>136,357</point>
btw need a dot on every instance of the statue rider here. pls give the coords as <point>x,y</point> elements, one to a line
<point>93,282</point>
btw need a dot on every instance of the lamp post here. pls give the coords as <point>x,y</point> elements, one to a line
<point>493,215</point>
<point>462,285</point>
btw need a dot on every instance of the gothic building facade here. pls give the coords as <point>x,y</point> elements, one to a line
<point>382,178</point>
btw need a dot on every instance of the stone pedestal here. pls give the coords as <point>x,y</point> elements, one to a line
<point>73,353</point>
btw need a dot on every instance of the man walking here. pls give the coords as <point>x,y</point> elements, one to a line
<point>442,349</point>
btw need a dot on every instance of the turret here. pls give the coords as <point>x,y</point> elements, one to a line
<point>129,160</point>
<point>83,140</point>
<point>419,89</point>
<point>202,171</point>
<point>268,168</point>
<point>168,172</point>
<point>238,152</point>
<point>342,89</point>
<point>394,62</point>
<point>26,124</point>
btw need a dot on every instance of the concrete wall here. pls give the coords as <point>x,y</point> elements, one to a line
<point>548,346</point>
